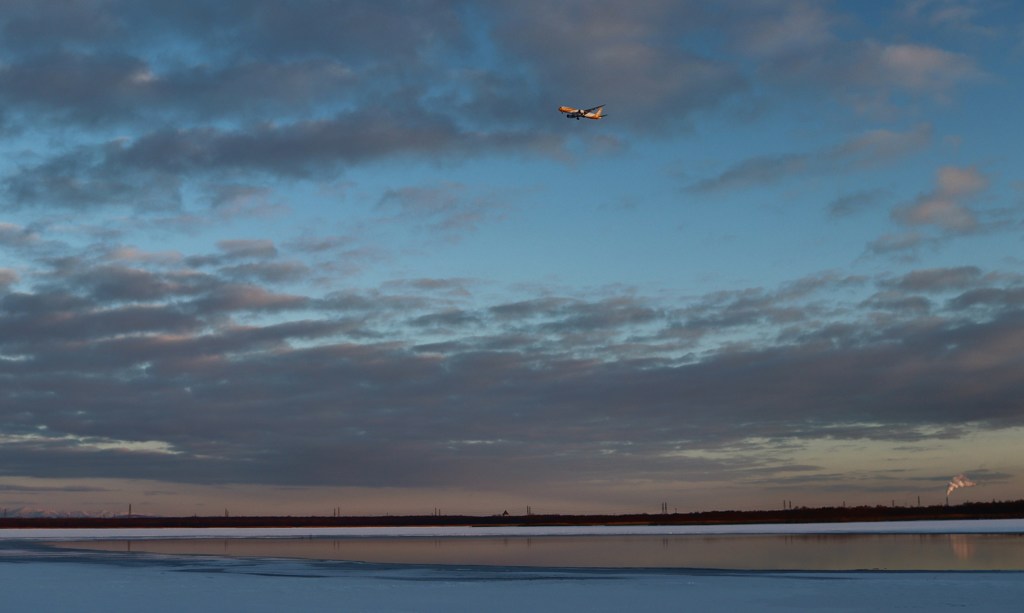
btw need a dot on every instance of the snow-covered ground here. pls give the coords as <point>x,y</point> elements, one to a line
<point>38,578</point>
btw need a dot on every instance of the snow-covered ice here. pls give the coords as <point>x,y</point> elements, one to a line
<point>40,581</point>
<point>962,526</point>
<point>39,578</point>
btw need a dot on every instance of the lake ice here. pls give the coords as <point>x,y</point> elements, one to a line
<point>36,577</point>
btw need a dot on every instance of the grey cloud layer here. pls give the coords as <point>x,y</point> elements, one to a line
<point>421,384</point>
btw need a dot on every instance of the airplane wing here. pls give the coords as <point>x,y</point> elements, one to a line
<point>601,106</point>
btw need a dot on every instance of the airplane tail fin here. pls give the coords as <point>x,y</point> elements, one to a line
<point>599,112</point>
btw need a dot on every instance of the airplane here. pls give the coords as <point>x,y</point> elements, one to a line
<point>595,113</point>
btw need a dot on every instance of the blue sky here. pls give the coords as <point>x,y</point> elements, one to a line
<point>289,257</point>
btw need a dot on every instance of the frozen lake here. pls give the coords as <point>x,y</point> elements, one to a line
<point>38,576</point>
<point>812,552</point>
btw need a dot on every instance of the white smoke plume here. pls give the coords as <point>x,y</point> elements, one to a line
<point>959,481</point>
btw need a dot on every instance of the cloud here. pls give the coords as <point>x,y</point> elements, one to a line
<point>449,319</point>
<point>448,208</point>
<point>299,148</point>
<point>937,279</point>
<point>897,243</point>
<point>254,51</point>
<point>945,207</point>
<point>13,235</point>
<point>268,272</point>
<point>125,284</point>
<point>8,277</point>
<point>147,172</point>
<point>953,181</point>
<point>804,45</point>
<point>919,68</point>
<point>259,94</point>
<point>940,212</point>
<point>954,15</point>
<point>83,178</point>
<point>232,251</point>
<point>238,249</point>
<point>784,30</point>
<point>896,301</point>
<point>849,204</point>
<point>609,313</point>
<point>452,287</point>
<point>95,89</point>
<point>380,413</point>
<point>636,60</point>
<point>317,357</point>
<point>391,386</point>
<point>243,297</point>
<point>756,171</point>
<point>87,87</point>
<point>27,25</point>
<point>1006,298</point>
<point>253,93</point>
<point>11,487</point>
<point>867,149</point>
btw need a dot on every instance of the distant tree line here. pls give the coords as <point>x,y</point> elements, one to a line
<point>968,510</point>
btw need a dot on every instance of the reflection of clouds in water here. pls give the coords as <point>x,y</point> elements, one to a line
<point>808,552</point>
<point>963,546</point>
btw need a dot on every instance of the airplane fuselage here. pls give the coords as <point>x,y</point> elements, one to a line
<point>572,113</point>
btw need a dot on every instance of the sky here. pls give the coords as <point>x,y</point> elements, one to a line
<point>292,258</point>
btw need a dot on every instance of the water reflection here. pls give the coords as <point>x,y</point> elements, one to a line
<point>738,552</point>
<point>963,548</point>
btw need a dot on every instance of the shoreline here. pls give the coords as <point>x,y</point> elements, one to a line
<point>935,527</point>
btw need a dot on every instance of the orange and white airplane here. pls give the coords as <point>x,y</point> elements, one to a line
<point>595,113</point>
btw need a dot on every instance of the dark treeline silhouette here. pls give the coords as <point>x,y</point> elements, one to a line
<point>968,510</point>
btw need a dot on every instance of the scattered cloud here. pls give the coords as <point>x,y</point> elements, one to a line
<point>945,207</point>
<point>804,45</point>
<point>898,243</point>
<point>448,209</point>
<point>110,359</point>
<point>937,279</point>
<point>869,148</point>
<point>649,85</point>
<point>7,277</point>
<point>849,204</point>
